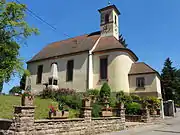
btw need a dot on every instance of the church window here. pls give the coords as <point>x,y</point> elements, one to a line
<point>140,82</point>
<point>39,74</point>
<point>103,68</point>
<point>69,73</point>
<point>115,19</point>
<point>107,18</point>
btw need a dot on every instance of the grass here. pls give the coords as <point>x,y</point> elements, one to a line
<point>41,110</point>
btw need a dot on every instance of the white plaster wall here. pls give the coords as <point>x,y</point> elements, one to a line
<point>119,64</point>
<point>113,29</point>
<point>152,83</point>
<point>79,82</point>
<point>158,84</point>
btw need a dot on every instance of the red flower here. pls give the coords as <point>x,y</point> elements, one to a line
<point>52,109</point>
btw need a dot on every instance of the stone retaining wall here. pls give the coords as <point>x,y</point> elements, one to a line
<point>155,118</point>
<point>4,126</point>
<point>66,126</point>
<point>104,125</point>
<point>133,118</point>
<point>23,123</point>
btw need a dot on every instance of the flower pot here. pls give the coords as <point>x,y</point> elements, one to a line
<point>86,102</point>
<point>27,100</point>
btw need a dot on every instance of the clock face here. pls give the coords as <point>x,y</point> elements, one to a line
<point>106,29</point>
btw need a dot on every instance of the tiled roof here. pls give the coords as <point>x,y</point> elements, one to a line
<point>141,68</point>
<point>81,44</point>
<point>69,46</point>
<point>106,43</point>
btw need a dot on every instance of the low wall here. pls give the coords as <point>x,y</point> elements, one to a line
<point>78,126</point>
<point>133,118</point>
<point>65,126</point>
<point>24,123</point>
<point>155,118</point>
<point>104,125</point>
<point>4,126</point>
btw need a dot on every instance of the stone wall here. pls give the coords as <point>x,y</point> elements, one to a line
<point>23,123</point>
<point>133,118</point>
<point>104,125</point>
<point>66,126</point>
<point>4,126</point>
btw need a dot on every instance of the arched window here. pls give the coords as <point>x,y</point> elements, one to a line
<point>107,18</point>
<point>115,19</point>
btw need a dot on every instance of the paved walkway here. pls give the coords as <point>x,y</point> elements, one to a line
<point>170,126</point>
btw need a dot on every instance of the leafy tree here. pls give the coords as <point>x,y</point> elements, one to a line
<point>23,79</point>
<point>123,41</point>
<point>168,79</point>
<point>105,91</point>
<point>15,89</point>
<point>13,29</point>
<point>1,87</point>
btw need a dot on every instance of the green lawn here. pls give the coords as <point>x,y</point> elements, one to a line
<point>7,109</point>
<point>41,110</point>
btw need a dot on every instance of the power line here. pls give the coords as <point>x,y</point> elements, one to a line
<point>33,14</point>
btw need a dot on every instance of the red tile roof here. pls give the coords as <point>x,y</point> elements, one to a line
<point>141,68</point>
<point>81,44</point>
<point>69,46</point>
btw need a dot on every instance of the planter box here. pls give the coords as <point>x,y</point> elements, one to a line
<point>86,102</point>
<point>27,100</point>
<point>107,114</point>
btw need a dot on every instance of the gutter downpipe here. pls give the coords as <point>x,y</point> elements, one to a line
<point>90,66</point>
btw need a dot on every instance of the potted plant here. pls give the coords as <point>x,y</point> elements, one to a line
<point>52,111</point>
<point>86,102</point>
<point>27,99</point>
<point>120,99</point>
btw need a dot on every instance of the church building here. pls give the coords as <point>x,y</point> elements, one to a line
<point>87,61</point>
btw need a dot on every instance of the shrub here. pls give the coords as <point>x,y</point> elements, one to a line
<point>93,92</point>
<point>112,101</point>
<point>97,107</point>
<point>105,91</point>
<point>73,101</point>
<point>133,108</point>
<point>122,98</point>
<point>154,103</point>
<point>136,98</point>
<point>49,93</point>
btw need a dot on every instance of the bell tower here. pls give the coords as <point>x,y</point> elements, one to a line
<point>109,21</point>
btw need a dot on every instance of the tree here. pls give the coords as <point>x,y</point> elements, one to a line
<point>123,41</point>
<point>13,29</point>
<point>23,79</point>
<point>1,87</point>
<point>105,91</point>
<point>168,80</point>
<point>15,89</point>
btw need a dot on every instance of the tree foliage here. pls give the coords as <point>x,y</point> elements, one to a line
<point>13,29</point>
<point>23,79</point>
<point>15,89</point>
<point>105,91</point>
<point>168,79</point>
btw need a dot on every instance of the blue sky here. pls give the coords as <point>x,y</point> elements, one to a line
<point>151,27</point>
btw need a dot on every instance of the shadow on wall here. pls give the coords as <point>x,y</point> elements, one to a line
<point>4,125</point>
<point>111,57</point>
